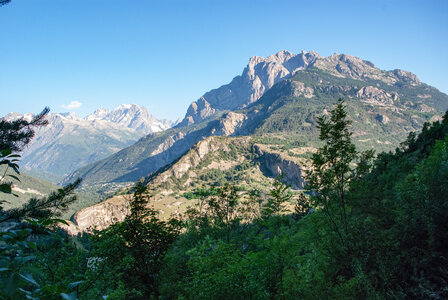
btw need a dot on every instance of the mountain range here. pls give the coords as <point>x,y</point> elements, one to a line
<point>260,125</point>
<point>69,142</point>
<point>279,99</point>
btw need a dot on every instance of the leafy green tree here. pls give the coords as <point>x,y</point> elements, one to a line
<point>8,160</point>
<point>279,195</point>
<point>50,206</point>
<point>331,170</point>
<point>302,207</point>
<point>223,208</point>
<point>337,166</point>
<point>14,135</point>
<point>401,217</point>
<point>129,254</point>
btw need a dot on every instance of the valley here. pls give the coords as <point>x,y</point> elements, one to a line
<point>224,150</point>
<point>270,110</point>
<point>229,185</point>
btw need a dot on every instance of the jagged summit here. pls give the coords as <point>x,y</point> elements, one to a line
<point>259,76</point>
<point>98,114</point>
<point>131,116</point>
<point>262,73</point>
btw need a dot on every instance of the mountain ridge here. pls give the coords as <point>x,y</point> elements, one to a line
<point>262,73</point>
<point>384,106</point>
<point>69,142</point>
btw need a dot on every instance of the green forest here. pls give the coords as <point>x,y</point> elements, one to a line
<point>367,226</point>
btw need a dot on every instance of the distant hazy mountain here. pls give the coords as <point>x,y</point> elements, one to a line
<point>70,142</point>
<point>131,116</point>
<point>278,99</point>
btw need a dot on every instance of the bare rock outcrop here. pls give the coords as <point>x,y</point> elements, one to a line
<point>373,95</point>
<point>382,118</point>
<point>348,66</point>
<point>276,165</point>
<point>406,77</point>
<point>194,156</point>
<point>101,215</point>
<point>343,65</point>
<point>230,123</point>
<point>300,90</point>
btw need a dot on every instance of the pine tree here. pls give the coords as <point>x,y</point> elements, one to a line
<point>16,134</point>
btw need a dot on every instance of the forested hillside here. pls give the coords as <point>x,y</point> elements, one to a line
<point>365,227</point>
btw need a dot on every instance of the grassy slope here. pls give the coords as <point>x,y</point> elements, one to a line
<point>27,188</point>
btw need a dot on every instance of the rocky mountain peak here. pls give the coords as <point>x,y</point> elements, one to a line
<point>282,55</point>
<point>343,65</point>
<point>98,114</point>
<point>407,77</point>
<point>259,76</point>
<point>131,116</point>
<point>254,60</point>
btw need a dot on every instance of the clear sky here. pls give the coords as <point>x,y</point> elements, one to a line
<point>166,54</point>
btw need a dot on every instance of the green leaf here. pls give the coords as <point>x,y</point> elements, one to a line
<point>71,296</point>
<point>73,285</point>
<point>5,188</point>
<point>29,278</point>
<point>15,177</point>
<point>32,245</point>
<point>6,152</point>
<point>15,167</point>
<point>27,259</point>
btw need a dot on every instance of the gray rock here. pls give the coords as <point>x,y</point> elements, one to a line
<point>257,78</point>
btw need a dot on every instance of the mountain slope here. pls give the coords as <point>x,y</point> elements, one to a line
<point>383,105</point>
<point>28,187</point>
<point>212,161</point>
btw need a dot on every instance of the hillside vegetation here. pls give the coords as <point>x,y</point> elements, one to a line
<point>364,229</point>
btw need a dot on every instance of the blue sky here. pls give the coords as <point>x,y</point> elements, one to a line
<point>166,54</point>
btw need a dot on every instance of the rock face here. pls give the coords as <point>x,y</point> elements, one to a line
<point>230,123</point>
<point>198,111</point>
<point>300,90</point>
<point>99,216</point>
<point>262,73</point>
<point>382,118</point>
<point>277,165</point>
<point>274,164</point>
<point>258,77</point>
<point>194,157</point>
<point>343,65</point>
<point>373,95</point>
